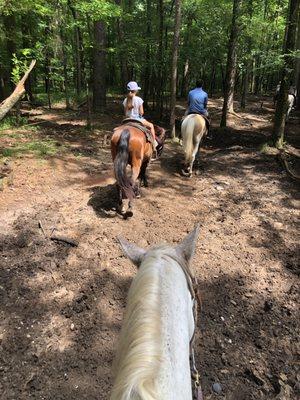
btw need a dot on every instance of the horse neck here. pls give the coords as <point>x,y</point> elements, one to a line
<point>153,356</point>
<point>174,378</point>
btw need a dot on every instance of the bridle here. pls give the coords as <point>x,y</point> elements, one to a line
<point>194,291</point>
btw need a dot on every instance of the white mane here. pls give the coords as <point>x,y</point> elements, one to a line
<point>140,347</point>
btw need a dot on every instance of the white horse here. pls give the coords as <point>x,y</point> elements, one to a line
<point>193,130</point>
<point>290,104</point>
<point>152,361</point>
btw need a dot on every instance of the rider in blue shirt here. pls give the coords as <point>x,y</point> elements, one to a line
<point>197,100</point>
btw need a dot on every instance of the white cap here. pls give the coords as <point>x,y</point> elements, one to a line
<point>133,86</point>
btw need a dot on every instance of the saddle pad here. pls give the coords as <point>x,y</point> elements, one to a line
<point>140,126</point>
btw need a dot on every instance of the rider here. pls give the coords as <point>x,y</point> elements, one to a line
<point>133,108</point>
<point>197,100</point>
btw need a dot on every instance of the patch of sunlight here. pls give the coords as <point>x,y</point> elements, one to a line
<point>57,334</point>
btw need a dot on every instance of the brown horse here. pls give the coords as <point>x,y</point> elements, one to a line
<point>129,146</point>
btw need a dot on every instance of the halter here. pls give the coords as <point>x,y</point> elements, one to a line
<point>194,291</point>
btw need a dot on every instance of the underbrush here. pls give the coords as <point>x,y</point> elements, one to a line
<point>11,122</point>
<point>37,147</point>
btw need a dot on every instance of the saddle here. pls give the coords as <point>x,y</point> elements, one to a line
<point>140,126</point>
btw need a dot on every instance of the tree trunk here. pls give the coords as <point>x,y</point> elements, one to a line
<point>17,94</point>
<point>245,78</point>
<point>297,67</point>
<point>65,69</point>
<point>99,72</point>
<point>9,23</point>
<point>174,66</point>
<point>27,43</point>
<point>78,49</point>
<point>231,63</point>
<point>160,59</point>
<point>147,71</point>
<point>286,73</point>
<point>47,67</point>
<point>184,82</point>
<point>248,59</point>
<point>123,54</point>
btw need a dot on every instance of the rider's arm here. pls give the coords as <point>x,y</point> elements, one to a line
<point>141,110</point>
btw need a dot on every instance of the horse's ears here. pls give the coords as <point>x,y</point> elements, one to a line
<point>134,253</point>
<point>186,248</point>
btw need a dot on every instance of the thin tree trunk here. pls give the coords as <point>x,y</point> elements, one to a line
<point>9,22</point>
<point>47,67</point>
<point>248,61</point>
<point>78,50</point>
<point>160,59</point>
<point>89,111</point>
<point>27,43</point>
<point>184,81</point>
<point>286,73</point>
<point>212,82</point>
<point>147,71</point>
<point>65,69</point>
<point>244,88</point>
<point>174,66</point>
<point>297,67</point>
<point>231,63</point>
<point>99,72</point>
<point>123,54</point>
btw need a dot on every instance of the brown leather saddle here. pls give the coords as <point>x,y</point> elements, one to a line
<point>137,124</point>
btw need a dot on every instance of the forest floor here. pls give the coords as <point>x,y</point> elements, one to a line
<point>62,306</point>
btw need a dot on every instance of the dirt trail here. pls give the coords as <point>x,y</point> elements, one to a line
<point>62,307</point>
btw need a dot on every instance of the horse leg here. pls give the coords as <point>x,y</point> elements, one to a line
<point>143,176</point>
<point>135,172</point>
<point>195,151</point>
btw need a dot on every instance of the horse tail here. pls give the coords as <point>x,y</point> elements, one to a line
<point>188,138</point>
<point>120,164</point>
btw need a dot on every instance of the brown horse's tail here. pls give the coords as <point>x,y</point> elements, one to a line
<point>120,165</point>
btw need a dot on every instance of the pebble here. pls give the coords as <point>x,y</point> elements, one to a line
<point>217,388</point>
<point>72,327</point>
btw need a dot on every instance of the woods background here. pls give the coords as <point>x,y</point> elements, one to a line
<point>233,45</point>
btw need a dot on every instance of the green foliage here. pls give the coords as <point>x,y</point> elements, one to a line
<point>39,148</point>
<point>11,122</point>
<point>59,33</point>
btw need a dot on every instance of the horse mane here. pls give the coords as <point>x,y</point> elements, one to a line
<point>140,347</point>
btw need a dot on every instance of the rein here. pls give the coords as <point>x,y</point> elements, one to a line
<point>193,289</point>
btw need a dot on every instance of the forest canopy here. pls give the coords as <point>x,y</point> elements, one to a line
<point>137,44</point>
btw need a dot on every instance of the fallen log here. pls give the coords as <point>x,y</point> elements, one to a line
<point>16,95</point>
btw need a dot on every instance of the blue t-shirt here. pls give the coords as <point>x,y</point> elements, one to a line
<point>197,101</point>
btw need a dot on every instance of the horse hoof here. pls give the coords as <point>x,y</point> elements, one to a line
<point>121,210</point>
<point>186,173</point>
<point>128,214</point>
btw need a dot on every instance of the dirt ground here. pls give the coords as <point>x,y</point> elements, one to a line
<point>62,306</point>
